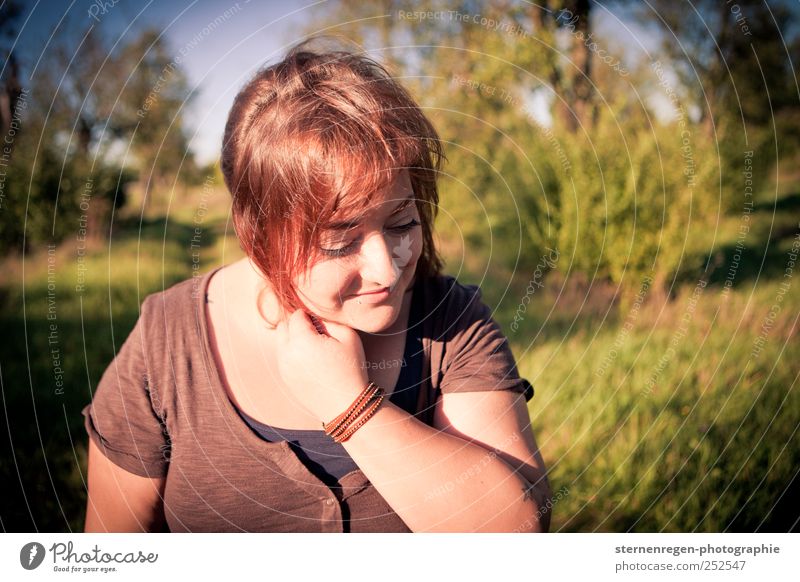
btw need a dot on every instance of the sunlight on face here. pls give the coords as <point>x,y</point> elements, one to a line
<point>379,252</point>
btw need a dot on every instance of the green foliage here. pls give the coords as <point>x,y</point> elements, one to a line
<point>45,464</point>
<point>711,446</point>
<point>88,102</point>
<point>56,195</point>
<point>621,190</point>
<point>633,200</point>
<point>694,434</point>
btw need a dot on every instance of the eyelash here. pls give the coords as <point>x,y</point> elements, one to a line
<point>346,250</point>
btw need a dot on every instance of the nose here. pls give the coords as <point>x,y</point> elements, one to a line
<point>377,261</point>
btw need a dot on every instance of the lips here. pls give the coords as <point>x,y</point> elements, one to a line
<point>374,297</point>
<point>376,292</point>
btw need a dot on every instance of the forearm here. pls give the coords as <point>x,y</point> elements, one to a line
<point>436,481</point>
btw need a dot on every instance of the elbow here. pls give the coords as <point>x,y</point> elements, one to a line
<point>545,509</point>
<point>537,519</point>
<point>538,522</point>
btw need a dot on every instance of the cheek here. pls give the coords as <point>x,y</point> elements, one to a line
<point>326,285</point>
<point>407,247</point>
<point>416,247</point>
<point>406,255</point>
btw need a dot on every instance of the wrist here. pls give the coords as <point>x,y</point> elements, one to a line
<point>352,418</point>
<point>333,398</point>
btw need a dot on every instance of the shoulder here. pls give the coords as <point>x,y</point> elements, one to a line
<point>179,295</point>
<point>452,305</point>
<point>469,349</point>
<point>174,307</point>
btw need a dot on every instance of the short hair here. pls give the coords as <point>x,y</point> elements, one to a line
<point>314,136</point>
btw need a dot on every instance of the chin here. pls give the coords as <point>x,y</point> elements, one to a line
<point>376,319</point>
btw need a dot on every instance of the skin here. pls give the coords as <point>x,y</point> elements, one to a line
<point>480,451</point>
<point>373,261</point>
<point>381,252</point>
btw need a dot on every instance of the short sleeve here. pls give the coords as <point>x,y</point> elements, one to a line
<point>122,420</point>
<point>478,356</point>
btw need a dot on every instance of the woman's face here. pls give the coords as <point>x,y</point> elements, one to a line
<point>379,251</point>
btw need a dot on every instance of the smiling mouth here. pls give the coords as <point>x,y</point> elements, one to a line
<point>374,297</point>
<point>376,292</point>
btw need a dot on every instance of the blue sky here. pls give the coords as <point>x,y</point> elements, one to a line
<point>219,57</point>
<point>224,42</point>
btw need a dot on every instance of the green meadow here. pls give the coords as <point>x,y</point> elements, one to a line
<point>653,414</point>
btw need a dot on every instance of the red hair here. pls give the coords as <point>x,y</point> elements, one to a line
<point>318,135</point>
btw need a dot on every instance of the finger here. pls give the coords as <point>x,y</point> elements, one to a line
<point>340,332</point>
<point>300,325</point>
<point>318,324</point>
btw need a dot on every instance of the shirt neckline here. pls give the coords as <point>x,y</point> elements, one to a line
<point>215,378</point>
<point>281,451</point>
<point>410,352</point>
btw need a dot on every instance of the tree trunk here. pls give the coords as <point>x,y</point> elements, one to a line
<point>9,97</point>
<point>571,82</point>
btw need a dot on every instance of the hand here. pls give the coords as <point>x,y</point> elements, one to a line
<point>324,373</point>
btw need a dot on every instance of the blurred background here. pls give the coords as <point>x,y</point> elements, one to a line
<point>622,182</point>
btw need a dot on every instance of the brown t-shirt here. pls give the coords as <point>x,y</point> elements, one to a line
<point>161,410</point>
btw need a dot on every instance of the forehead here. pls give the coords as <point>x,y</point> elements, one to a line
<point>386,202</point>
<point>387,198</point>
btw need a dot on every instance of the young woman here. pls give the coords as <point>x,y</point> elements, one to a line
<point>333,380</point>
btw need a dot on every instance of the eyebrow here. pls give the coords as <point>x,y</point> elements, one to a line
<point>348,224</point>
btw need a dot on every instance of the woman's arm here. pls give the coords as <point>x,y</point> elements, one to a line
<point>478,467</point>
<point>458,476</point>
<point>120,501</point>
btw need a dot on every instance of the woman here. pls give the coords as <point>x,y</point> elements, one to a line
<point>332,380</point>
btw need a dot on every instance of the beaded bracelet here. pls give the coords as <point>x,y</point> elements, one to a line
<point>364,418</point>
<point>346,418</point>
<point>375,393</point>
<point>367,409</point>
<point>332,425</point>
<point>342,419</point>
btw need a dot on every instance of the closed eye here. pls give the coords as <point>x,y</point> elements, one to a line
<point>405,227</point>
<point>350,248</point>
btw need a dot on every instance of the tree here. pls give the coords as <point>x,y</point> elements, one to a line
<point>100,111</point>
<point>620,195</point>
<point>569,74</point>
<point>157,95</point>
<point>10,87</point>
<point>730,58</point>
<point>736,69</point>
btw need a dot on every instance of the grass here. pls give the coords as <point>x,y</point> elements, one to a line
<point>680,432</point>
<point>668,417</point>
<point>686,432</point>
<point>44,464</point>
